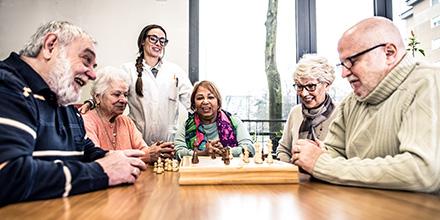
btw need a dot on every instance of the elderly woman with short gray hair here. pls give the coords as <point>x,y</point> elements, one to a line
<point>310,120</point>
<point>106,125</point>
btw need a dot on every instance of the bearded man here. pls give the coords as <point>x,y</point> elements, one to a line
<point>44,152</point>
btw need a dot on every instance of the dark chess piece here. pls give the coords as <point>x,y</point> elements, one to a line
<point>225,156</point>
<point>212,153</point>
<point>195,157</point>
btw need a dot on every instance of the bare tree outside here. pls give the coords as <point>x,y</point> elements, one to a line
<point>272,74</point>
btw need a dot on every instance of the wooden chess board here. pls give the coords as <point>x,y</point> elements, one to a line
<point>214,171</point>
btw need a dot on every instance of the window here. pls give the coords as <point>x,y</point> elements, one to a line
<point>434,2</point>
<point>435,22</point>
<point>435,44</point>
<point>329,27</point>
<point>232,53</point>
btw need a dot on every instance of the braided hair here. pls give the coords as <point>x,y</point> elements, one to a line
<point>138,65</point>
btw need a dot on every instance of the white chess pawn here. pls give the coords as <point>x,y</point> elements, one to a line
<point>159,166</point>
<point>155,167</point>
<point>175,166</point>
<point>258,155</point>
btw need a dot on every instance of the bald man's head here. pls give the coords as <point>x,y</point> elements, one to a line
<point>368,52</point>
<point>370,32</point>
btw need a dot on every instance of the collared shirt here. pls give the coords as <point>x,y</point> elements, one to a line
<point>44,152</point>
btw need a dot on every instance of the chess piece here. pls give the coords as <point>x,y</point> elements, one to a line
<point>245,154</point>
<point>175,166</point>
<point>195,158</point>
<point>212,153</point>
<point>168,165</point>
<point>159,166</point>
<point>269,158</point>
<point>155,167</point>
<point>225,156</point>
<point>258,154</point>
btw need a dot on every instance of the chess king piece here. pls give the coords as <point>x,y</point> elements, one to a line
<point>269,146</point>
<point>258,158</point>
<point>195,157</point>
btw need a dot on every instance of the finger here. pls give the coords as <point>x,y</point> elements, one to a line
<point>167,145</point>
<point>136,162</point>
<point>219,145</point>
<point>320,144</point>
<point>133,153</point>
<point>165,155</point>
<point>215,142</point>
<point>136,172</point>
<point>131,179</point>
<point>166,150</point>
<point>295,158</point>
<point>218,151</point>
<point>311,141</point>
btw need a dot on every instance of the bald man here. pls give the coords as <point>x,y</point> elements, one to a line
<point>386,134</point>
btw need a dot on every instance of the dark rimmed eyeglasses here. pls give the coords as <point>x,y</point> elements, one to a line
<point>349,61</point>
<point>154,39</point>
<point>309,87</point>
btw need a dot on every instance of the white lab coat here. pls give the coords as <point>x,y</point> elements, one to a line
<point>156,113</point>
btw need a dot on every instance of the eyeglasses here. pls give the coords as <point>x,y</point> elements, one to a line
<point>309,87</point>
<point>154,39</point>
<point>349,61</point>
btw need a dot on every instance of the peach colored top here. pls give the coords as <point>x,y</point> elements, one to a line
<point>101,132</point>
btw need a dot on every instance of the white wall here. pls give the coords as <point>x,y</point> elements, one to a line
<point>114,24</point>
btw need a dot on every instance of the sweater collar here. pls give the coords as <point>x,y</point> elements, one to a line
<point>391,82</point>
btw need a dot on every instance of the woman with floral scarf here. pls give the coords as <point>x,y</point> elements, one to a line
<point>210,128</point>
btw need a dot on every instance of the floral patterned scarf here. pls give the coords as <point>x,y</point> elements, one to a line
<point>195,134</point>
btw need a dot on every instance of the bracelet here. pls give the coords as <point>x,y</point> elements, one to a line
<point>92,103</point>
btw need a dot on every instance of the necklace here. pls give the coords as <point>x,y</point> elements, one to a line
<point>111,138</point>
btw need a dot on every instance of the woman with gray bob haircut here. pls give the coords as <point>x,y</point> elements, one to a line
<point>106,125</point>
<point>310,120</point>
<point>105,77</point>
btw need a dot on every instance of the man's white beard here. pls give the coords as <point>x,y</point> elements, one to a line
<point>61,81</point>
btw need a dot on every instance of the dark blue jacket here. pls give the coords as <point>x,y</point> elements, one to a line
<point>44,152</point>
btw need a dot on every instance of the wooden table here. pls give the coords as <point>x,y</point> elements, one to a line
<point>160,197</point>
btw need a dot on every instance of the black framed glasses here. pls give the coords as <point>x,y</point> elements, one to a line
<point>349,61</point>
<point>154,39</point>
<point>309,87</point>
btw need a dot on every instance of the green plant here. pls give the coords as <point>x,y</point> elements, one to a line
<point>413,45</point>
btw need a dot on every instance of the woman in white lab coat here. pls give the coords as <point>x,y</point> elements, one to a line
<point>156,87</point>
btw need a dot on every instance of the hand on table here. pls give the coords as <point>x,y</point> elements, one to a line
<point>122,166</point>
<point>305,153</point>
<point>212,148</point>
<point>158,149</point>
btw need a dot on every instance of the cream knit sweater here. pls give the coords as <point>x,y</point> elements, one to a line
<point>389,139</point>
